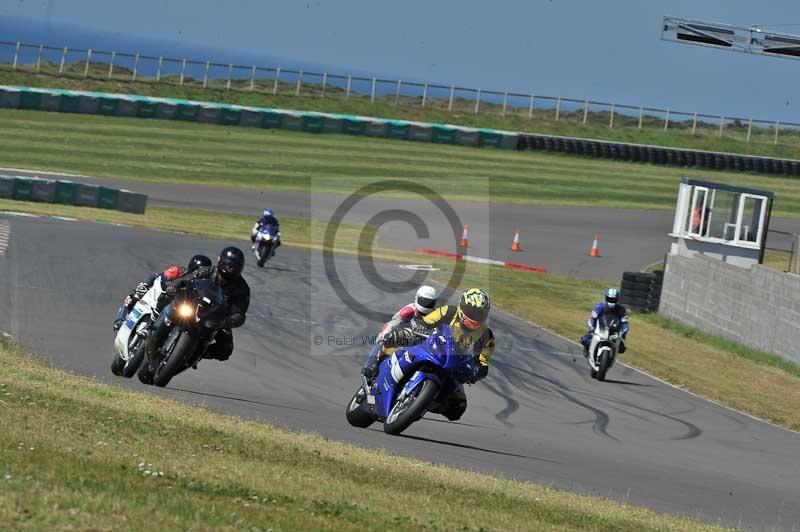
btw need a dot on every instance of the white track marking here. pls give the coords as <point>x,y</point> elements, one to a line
<point>5,236</point>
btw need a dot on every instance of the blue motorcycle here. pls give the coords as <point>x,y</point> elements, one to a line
<point>411,382</point>
<point>266,241</point>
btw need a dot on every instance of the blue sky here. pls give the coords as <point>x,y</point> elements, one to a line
<point>602,50</point>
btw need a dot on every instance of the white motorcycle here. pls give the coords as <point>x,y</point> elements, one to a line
<point>129,344</point>
<point>604,346</point>
<point>266,241</point>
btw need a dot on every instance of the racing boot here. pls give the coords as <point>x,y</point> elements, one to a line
<point>370,369</point>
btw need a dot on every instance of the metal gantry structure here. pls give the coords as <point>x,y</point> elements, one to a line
<point>744,39</point>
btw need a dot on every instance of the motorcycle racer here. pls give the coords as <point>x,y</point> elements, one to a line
<point>170,274</point>
<point>470,333</point>
<point>424,303</point>
<point>267,219</point>
<point>608,306</point>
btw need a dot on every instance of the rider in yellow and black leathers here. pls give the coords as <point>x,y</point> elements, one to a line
<point>470,333</point>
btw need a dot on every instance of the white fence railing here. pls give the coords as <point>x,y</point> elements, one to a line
<point>275,80</point>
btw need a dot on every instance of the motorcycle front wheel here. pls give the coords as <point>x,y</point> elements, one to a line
<point>176,360</point>
<point>411,408</point>
<point>602,365</point>
<point>263,254</point>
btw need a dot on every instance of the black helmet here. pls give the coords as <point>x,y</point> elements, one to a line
<point>198,261</point>
<point>474,308</point>
<point>230,263</point>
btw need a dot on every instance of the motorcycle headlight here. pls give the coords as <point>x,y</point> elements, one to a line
<point>185,310</point>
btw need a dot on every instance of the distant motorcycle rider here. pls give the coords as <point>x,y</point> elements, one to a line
<point>609,306</point>
<point>424,303</point>
<point>235,290</point>
<point>470,334</point>
<point>267,219</point>
<point>170,274</point>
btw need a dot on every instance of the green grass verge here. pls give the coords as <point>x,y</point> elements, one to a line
<point>78,454</point>
<point>202,154</point>
<point>747,379</point>
<point>543,121</point>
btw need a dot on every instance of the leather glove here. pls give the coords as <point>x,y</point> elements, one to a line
<point>170,290</point>
<point>397,338</point>
<point>141,290</point>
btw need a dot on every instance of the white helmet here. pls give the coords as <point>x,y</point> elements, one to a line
<point>425,300</point>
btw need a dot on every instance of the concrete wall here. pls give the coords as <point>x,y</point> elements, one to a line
<point>758,307</point>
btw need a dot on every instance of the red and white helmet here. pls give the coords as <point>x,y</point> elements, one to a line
<point>425,300</point>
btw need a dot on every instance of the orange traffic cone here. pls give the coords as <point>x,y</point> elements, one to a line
<point>515,243</point>
<point>594,252</point>
<point>464,242</point>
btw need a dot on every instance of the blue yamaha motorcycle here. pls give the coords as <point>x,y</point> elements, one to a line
<point>412,381</point>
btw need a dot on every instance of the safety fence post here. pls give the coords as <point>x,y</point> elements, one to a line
<point>666,121</point>
<point>558,107</point>
<point>16,57</point>
<point>749,129</point>
<point>135,67</point>
<point>111,64</point>
<point>299,83</point>
<point>372,92</point>
<point>505,103</point>
<point>349,85</point>
<point>531,106</point>
<point>39,58</point>
<point>205,74</point>
<point>424,94</point>
<point>450,101</point>
<point>63,61</point>
<point>477,101</point>
<point>721,125</point>
<point>694,123</point>
<point>777,129</point>
<point>397,93</point>
<point>230,74</point>
<point>158,70</point>
<point>183,71</point>
<point>253,78</point>
<point>585,110</point>
<point>641,115</point>
<point>277,76</point>
<point>88,62</point>
<point>611,118</point>
<point>324,82</point>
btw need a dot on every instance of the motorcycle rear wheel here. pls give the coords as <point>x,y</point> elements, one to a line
<point>357,414</point>
<point>404,413</point>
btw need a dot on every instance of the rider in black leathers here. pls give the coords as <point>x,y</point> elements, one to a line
<point>228,275</point>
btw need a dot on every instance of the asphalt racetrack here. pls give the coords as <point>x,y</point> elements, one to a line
<point>537,417</point>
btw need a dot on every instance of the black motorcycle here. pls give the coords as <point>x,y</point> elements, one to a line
<point>196,315</point>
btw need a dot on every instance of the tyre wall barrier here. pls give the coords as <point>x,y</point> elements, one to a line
<point>88,102</point>
<point>682,157</point>
<point>69,193</point>
<point>641,291</point>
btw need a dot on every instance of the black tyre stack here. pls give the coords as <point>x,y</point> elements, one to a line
<point>641,292</point>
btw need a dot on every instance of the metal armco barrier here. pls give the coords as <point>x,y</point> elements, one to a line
<point>69,193</point>
<point>87,102</point>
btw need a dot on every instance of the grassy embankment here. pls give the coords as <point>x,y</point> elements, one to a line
<point>409,108</point>
<point>77,454</point>
<point>755,382</point>
<point>199,154</point>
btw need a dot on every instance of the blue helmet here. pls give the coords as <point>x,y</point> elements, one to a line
<point>612,295</point>
<point>267,212</point>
